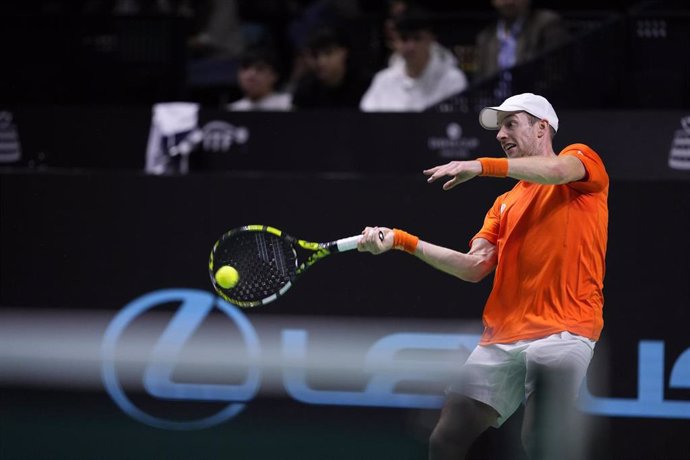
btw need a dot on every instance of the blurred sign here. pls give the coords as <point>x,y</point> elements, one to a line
<point>10,147</point>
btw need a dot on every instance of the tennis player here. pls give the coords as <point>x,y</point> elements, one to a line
<point>546,240</point>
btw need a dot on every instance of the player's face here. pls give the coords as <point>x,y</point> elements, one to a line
<point>257,80</point>
<point>330,64</point>
<point>517,136</point>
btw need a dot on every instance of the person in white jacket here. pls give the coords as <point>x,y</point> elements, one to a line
<point>420,74</point>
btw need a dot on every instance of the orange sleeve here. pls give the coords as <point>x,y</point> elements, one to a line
<point>489,230</point>
<point>596,179</point>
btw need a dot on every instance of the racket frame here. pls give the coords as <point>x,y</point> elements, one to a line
<point>319,251</point>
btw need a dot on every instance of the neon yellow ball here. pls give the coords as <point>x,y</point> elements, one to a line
<point>227,277</point>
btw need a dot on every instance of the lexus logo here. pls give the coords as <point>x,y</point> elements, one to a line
<point>194,307</point>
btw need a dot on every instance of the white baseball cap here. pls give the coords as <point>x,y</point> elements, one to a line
<point>533,104</point>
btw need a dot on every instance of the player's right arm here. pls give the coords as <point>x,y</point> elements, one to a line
<point>472,266</point>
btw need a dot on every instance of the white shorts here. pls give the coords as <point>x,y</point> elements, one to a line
<point>504,375</point>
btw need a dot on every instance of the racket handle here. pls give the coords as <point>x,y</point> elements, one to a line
<point>348,244</point>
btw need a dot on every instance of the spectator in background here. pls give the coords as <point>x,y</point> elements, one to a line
<point>395,8</point>
<point>310,16</point>
<point>142,7</point>
<point>221,32</point>
<point>334,81</point>
<point>420,74</point>
<point>258,78</point>
<point>519,34</point>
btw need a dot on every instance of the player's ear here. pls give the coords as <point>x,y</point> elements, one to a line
<point>543,126</point>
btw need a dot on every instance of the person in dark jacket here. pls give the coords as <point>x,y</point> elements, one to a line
<point>333,81</point>
<point>519,34</point>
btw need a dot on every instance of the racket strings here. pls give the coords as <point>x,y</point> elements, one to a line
<point>264,261</point>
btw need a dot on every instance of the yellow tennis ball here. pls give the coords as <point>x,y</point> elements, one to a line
<point>227,277</point>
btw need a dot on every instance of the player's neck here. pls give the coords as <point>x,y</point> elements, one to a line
<point>544,148</point>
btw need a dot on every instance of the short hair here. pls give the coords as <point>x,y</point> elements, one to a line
<point>325,38</point>
<point>260,55</point>
<point>413,20</point>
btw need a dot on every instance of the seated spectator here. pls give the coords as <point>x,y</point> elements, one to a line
<point>421,73</point>
<point>308,16</point>
<point>519,34</point>
<point>391,40</point>
<point>333,81</point>
<point>258,77</point>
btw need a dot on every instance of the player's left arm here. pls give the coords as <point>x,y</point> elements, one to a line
<point>562,169</point>
<point>577,165</point>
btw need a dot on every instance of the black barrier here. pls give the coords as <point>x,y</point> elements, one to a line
<point>635,145</point>
<point>91,243</point>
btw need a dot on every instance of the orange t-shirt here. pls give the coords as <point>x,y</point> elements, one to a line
<point>551,243</point>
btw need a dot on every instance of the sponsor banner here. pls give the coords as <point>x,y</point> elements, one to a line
<point>635,144</point>
<point>206,350</point>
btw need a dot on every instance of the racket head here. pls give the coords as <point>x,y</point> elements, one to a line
<point>265,259</point>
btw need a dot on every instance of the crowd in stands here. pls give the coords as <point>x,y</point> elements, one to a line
<point>282,55</point>
<point>414,72</point>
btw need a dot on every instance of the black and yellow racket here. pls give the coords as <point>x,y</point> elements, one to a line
<point>255,264</point>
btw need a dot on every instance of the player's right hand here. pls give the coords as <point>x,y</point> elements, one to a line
<point>372,242</point>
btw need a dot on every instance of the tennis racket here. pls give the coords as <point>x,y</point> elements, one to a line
<point>268,262</point>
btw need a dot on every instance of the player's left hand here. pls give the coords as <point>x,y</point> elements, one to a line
<point>461,171</point>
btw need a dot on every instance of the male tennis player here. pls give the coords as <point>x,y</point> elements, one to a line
<point>546,240</point>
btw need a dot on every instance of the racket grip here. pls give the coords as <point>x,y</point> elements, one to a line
<point>348,244</point>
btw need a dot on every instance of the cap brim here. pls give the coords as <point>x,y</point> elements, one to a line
<point>488,118</point>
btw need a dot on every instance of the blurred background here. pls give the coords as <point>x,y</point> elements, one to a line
<point>619,54</point>
<point>132,137</point>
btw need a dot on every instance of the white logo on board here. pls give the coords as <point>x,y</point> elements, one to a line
<point>10,149</point>
<point>679,156</point>
<point>453,145</point>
